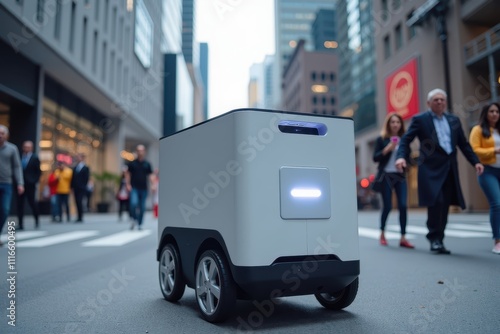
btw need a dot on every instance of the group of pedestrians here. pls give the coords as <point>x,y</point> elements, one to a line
<point>23,171</point>
<point>441,135</point>
<point>62,180</point>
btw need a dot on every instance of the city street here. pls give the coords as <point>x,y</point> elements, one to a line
<point>100,277</point>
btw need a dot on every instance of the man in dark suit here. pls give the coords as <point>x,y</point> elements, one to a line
<point>439,134</point>
<point>79,182</point>
<point>31,174</point>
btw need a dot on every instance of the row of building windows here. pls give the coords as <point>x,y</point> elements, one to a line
<point>324,112</point>
<point>315,100</point>
<point>398,39</point>
<point>322,76</point>
<point>120,34</point>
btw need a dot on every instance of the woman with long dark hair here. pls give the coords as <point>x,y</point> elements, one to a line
<point>389,178</point>
<point>485,141</point>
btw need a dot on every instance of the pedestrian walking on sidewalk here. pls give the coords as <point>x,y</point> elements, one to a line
<point>123,196</point>
<point>31,175</point>
<point>485,141</point>
<point>79,181</point>
<point>389,178</point>
<point>139,175</point>
<point>439,133</point>
<point>64,174</point>
<point>10,169</point>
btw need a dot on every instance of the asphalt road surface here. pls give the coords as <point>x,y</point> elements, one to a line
<point>100,277</point>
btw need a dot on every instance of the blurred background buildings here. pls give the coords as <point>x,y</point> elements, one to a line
<point>100,77</point>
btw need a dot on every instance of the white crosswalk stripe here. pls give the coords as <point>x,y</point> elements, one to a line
<point>57,239</point>
<point>482,230</point>
<point>469,227</point>
<point>117,239</point>
<point>37,239</point>
<point>448,232</point>
<point>23,235</point>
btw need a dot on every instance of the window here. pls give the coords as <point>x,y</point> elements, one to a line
<point>103,68</point>
<point>332,76</point>
<point>106,12</point>
<point>313,76</point>
<point>72,26</point>
<point>84,39</point>
<point>119,76</point>
<point>387,47</point>
<point>399,37</point>
<point>94,51</point>
<point>113,25</point>
<point>39,10</point>
<point>120,33</point>
<point>323,100</point>
<point>314,100</point>
<point>332,101</point>
<point>385,10</point>
<point>112,70</point>
<point>127,40</point>
<point>323,76</point>
<point>96,10</point>
<point>57,23</point>
<point>411,30</point>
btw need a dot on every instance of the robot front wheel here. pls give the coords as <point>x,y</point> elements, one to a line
<point>172,282</point>
<point>215,288</point>
<point>340,299</point>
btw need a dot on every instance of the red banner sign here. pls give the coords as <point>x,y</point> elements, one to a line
<point>401,88</point>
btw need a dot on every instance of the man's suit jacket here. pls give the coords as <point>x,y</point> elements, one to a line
<point>80,179</point>
<point>434,163</point>
<point>32,171</point>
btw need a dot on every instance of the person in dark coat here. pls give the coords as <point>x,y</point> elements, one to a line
<point>439,133</point>
<point>81,173</point>
<point>31,174</point>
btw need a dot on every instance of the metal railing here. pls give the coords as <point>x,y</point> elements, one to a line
<point>482,45</point>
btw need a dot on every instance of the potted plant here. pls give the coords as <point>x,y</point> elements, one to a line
<point>106,184</point>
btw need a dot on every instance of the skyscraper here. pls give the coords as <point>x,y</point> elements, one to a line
<point>356,50</point>
<point>293,21</point>
<point>324,31</point>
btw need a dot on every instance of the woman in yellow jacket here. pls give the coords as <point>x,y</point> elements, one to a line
<point>485,141</point>
<point>64,175</point>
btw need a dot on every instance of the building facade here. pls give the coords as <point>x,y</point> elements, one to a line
<point>310,82</point>
<point>411,61</point>
<point>293,20</point>
<point>324,31</point>
<point>260,88</point>
<point>356,50</point>
<point>82,77</point>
